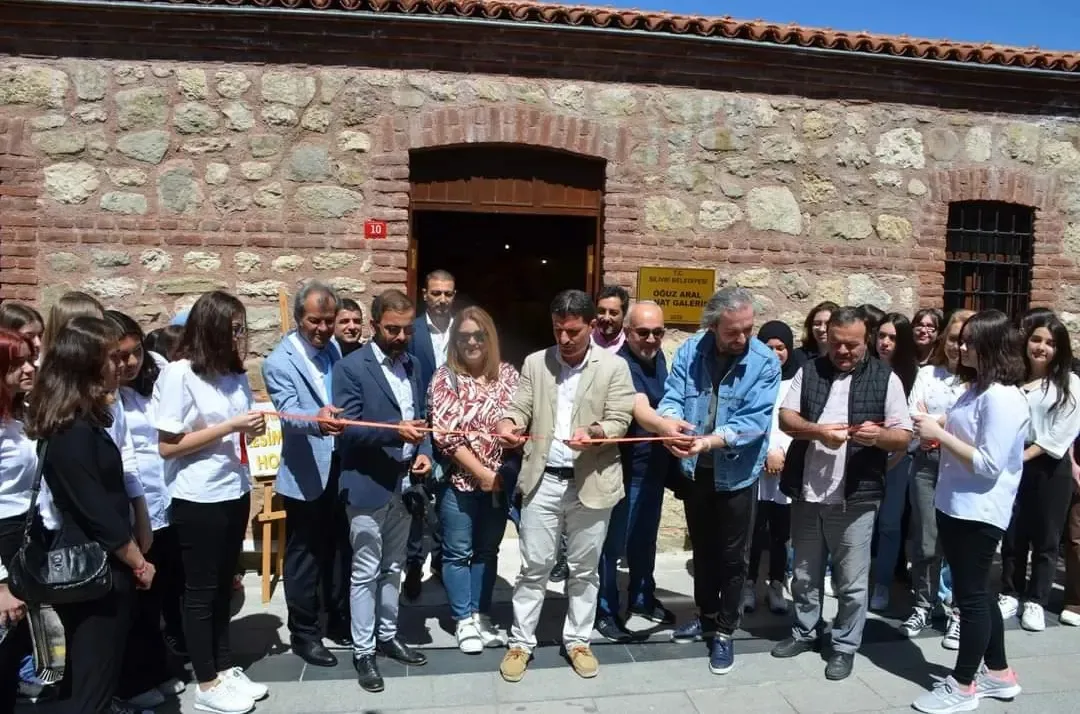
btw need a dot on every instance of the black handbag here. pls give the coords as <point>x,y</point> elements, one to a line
<point>60,576</point>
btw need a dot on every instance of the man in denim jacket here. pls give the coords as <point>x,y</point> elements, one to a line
<point>724,383</point>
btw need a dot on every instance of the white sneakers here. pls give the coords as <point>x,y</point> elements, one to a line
<point>879,599</point>
<point>1008,606</point>
<point>774,597</point>
<point>233,694</point>
<point>468,636</point>
<point>489,633</point>
<point>1032,615</point>
<point>1033,618</point>
<point>1070,618</point>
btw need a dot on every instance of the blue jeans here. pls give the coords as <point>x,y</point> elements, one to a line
<point>890,517</point>
<point>945,583</point>
<point>633,528</point>
<point>472,528</point>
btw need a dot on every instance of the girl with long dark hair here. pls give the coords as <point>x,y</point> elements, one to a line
<point>816,330</point>
<point>146,679</point>
<point>982,456</point>
<point>1042,502</point>
<point>927,325</point>
<point>202,410</point>
<point>18,463</point>
<point>70,409</point>
<point>26,321</point>
<point>894,344</point>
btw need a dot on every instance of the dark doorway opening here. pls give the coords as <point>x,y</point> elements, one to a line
<point>512,265</point>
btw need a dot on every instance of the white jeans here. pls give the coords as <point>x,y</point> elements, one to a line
<point>553,507</point>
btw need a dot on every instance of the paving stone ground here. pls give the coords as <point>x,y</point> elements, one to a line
<point>653,675</point>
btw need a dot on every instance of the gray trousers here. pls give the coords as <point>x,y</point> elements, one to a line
<point>378,537</point>
<point>817,530</point>
<point>925,549</point>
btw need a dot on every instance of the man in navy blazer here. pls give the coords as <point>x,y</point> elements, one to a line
<point>429,345</point>
<point>380,383</point>
<point>317,551</point>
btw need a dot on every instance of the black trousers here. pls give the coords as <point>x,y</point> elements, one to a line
<point>969,548</point>
<point>146,661</point>
<point>17,643</point>
<point>96,635</point>
<point>772,529</point>
<point>210,536</point>
<point>719,524</point>
<point>317,557</point>
<point>1038,519</point>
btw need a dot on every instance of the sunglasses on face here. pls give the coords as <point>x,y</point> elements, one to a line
<point>441,293</point>
<point>480,337</point>
<point>395,330</point>
<point>644,332</point>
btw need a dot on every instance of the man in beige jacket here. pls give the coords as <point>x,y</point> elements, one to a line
<point>569,396</point>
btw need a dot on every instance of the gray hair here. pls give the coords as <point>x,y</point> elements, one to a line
<point>313,287</point>
<point>725,300</point>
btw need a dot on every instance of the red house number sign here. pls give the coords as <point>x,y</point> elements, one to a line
<point>374,230</point>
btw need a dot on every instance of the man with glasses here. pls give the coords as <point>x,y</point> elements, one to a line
<point>380,383</point>
<point>635,521</point>
<point>428,345</point>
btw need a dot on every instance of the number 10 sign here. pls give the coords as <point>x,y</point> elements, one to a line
<point>374,230</point>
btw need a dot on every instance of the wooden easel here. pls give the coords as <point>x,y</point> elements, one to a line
<point>269,516</point>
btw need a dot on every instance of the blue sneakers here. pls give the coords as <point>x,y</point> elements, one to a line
<point>689,633</point>
<point>721,654</point>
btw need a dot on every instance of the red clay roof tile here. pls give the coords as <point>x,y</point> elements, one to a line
<point>668,23</point>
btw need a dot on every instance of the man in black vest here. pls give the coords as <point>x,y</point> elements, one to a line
<point>845,411</point>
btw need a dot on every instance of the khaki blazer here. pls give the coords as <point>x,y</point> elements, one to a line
<point>605,396</point>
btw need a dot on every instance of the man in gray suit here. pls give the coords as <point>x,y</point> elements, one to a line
<point>298,379</point>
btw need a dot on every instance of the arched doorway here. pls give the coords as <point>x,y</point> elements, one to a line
<point>513,224</point>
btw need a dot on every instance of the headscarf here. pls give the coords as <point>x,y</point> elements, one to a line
<point>775,329</point>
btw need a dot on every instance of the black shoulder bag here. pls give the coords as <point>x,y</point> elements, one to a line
<point>61,576</point>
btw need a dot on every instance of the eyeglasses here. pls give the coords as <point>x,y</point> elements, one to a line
<point>395,330</point>
<point>441,293</point>
<point>926,328</point>
<point>480,337</point>
<point>644,332</point>
<point>239,330</point>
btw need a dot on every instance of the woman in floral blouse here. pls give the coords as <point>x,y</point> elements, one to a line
<point>468,395</point>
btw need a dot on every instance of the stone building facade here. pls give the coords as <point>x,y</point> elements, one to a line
<point>177,148</point>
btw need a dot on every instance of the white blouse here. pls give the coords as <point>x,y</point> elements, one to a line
<point>769,484</point>
<point>935,391</point>
<point>143,436</point>
<point>18,464</point>
<point>184,402</point>
<point>1053,430</point>
<point>995,424</point>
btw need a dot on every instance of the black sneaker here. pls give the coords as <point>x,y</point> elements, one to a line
<point>560,572</point>
<point>654,612</point>
<point>176,644</point>
<point>612,630</point>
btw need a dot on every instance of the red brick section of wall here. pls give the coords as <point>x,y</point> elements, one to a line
<point>19,188</point>
<point>1051,266</point>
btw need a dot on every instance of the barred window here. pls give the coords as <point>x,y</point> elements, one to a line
<point>988,251</point>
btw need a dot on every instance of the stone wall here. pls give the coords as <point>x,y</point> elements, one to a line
<point>147,184</point>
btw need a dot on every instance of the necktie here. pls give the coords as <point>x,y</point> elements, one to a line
<point>326,367</point>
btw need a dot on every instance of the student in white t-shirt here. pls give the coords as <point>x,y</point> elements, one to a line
<point>202,410</point>
<point>1042,501</point>
<point>982,456</point>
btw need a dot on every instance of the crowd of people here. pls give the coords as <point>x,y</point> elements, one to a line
<point>880,450</point>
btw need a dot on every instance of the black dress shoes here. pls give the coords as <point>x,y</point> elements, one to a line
<point>792,647</point>
<point>839,666</point>
<point>397,650</point>
<point>414,578</point>
<point>560,572</point>
<point>313,652</point>
<point>340,635</point>
<point>367,673</point>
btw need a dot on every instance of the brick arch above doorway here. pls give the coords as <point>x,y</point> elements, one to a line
<point>505,124</point>
<point>1052,266</point>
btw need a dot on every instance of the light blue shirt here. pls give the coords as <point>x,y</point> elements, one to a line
<point>398,379</point>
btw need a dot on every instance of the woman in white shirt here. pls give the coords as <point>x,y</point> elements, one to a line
<point>146,679</point>
<point>18,464</point>
<point>1042,501</point>
<point>772,523</point>
<point>202,410</point>
<point>982,456</point>
<point>937,387</point>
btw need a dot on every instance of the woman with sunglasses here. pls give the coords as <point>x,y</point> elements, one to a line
<point>202,411</point>
<point>467,397</point>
